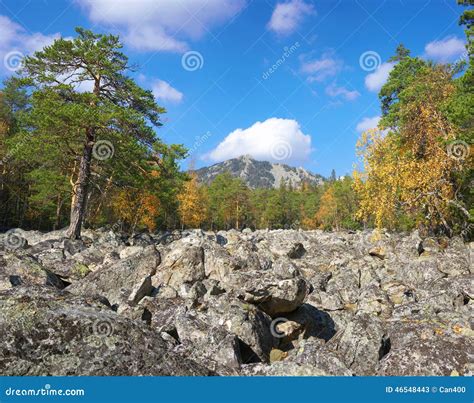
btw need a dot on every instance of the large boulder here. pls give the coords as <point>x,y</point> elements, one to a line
<point>118,281</point>
<point>183,263</point>
<point>208,343</point>
<point>55,333</point>
<point>272,293</point>
<point>430,357</point>
<point>25,270</point>
<point>251,326</point>
<point>314,354</point>
<point>419,271</point>
<point>219,263</point>
<point>362,343</point>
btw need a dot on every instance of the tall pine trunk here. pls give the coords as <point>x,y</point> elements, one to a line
<point>78,205</point>
<point>79,198</point>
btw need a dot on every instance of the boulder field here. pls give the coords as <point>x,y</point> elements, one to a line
<point>282,302</point>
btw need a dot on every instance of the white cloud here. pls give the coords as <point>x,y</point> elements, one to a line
<point>275,139</point>
<point>288,16</point>
<point>335,91</point>
<point>368,123</point>
<point>15,40</point>
<point>162,25</point>
<point>375,81</point>
<point>320,69</point>
<point>163,91</point>
<point>446,49</point>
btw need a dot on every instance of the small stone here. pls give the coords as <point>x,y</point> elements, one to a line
<point>297,251</point>
<point>277,355</point>
<point>378,251</point>
<point>140,290</point>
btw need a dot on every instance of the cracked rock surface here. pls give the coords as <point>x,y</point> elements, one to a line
<point>252,303</point>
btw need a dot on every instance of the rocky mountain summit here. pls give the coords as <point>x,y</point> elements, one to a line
<point>259,174</point>
<point>283,302</point>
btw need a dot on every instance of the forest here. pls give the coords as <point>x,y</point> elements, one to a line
<point>77,158</point>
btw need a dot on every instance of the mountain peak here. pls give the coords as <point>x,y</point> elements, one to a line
<point>259,174</point>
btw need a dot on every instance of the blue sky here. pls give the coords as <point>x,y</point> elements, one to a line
<point>292,81</point>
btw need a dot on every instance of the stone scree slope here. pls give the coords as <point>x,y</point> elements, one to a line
<point>281,302</point>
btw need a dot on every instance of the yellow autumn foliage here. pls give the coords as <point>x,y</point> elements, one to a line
<point>192,204</point>
<point>410,170</point>
<point>136,208</point>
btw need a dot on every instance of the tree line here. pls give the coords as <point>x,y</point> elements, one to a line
<point>79,146</point>
<point>228,203</point>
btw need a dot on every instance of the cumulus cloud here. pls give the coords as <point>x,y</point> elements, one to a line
<point>334,91</point>
<point>275,139</point>
<point>161,25</point>
<point>16,41</point>
<point>287,17</point>
<point>163,91</point>
<point>368,123</point>
<point>375,81</point>
<point>446,49</point>
<point>322,68</point>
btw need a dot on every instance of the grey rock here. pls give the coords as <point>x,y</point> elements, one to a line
<point>312,353</point>
<point>118,281</point>
<point>297,251</point>
<point>182,264</point>
<point>270,293</point>
<point>50,333</point>
<point>362,344</point>
<point>238,303</point>
<point>432,357</point>
<point>25,270</point>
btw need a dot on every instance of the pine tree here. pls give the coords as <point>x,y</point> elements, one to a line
<point>114,112</point>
